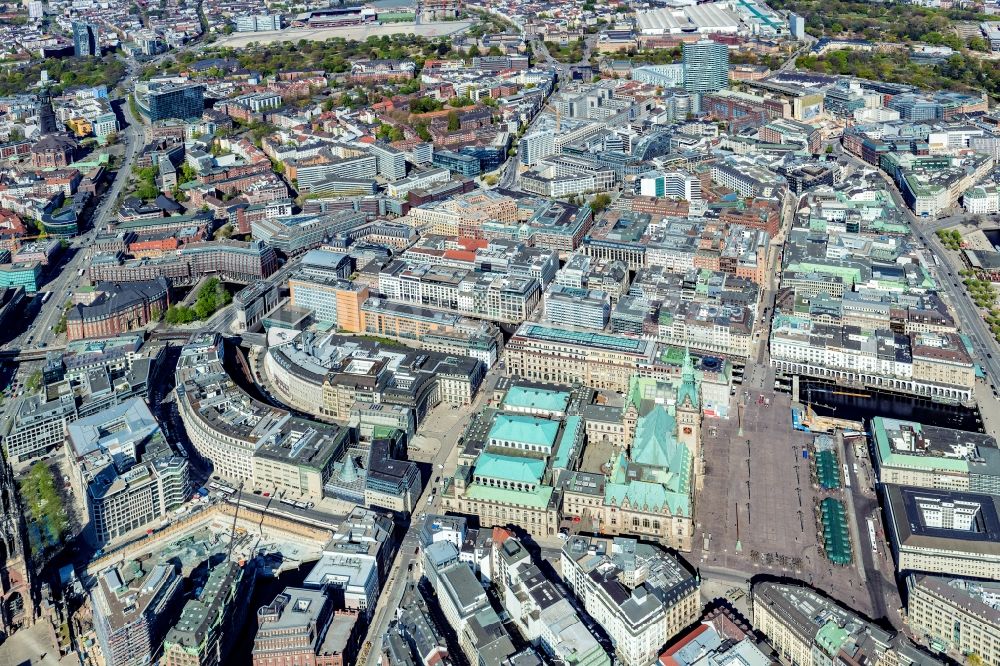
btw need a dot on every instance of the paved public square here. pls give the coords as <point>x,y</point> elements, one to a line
<point>761,495</point>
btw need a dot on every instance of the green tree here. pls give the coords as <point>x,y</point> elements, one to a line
<point>41,494</point>
<point>178,314</point>
<point>425,105</point>
<point>454,124</point>
<point>978,44</point>
<point>600,202</point>
<point>34,382</point>
<point>187,173</point>
<point>146,191</point>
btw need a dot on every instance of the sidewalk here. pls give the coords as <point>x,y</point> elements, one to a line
<point>989,408</point>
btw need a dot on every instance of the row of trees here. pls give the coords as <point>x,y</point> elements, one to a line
<point>571,53</point>
<point>332,55</point>
<point>488,24</point>
<point>146,187</point>
<point>959,72</point>
<point>890,21</point>
<point>40,493</point>
<point>950,238</point>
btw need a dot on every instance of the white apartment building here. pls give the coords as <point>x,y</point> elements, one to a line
<point>982,200</point>
<point>577,308</point>
<point>536,146</point>
<point>804,628</point>
<point>548,183</point>
<point>641,595</point>
<point>674,259</point>
<point>120,504</point>
<point>123,494</point>
<point>950,532</point>
<point>418,181</point>
<point>258,22</point>
<point>673,184</point>
<point>703,330</point>
<point>390,162</point>
<point>879,358</point>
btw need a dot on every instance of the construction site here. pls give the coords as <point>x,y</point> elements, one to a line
<point>239,531</point>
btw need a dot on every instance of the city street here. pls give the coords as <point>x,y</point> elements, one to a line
<point>443,426</point>
<point>966,313</point>
<point>39,333</point>
<point>379,152</point>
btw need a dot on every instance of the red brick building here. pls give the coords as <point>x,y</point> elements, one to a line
<point>12,230</point>
<point>301,628</point>
<point>758,215</point>
<point>153,247</point>
<point>118,309</point>
<point>53,151</point>
<point>15,149</point>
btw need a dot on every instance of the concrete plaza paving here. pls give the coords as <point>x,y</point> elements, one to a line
<point>762,496</point>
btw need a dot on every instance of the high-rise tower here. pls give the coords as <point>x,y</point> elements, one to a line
<point>706,66</point>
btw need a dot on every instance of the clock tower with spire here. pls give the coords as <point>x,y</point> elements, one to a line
<point>688,410</point>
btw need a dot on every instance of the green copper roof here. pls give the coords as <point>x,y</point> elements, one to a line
<point>687,393</point>
<point>648,388</point>
<point>524,429</point>
<point>647,497</point>
<point>655,443</point>
<point>510,468</point>
<point>849,274</point>
<point>536,499</point>
<point>836,539</point>
<point>888,456</point>
<point>384,432</point>
<point>827,469</point>
<point>572,430</point>
<point>831,637</point>
<point>522,397</point>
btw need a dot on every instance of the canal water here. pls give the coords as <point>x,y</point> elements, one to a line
<point>845,403</point>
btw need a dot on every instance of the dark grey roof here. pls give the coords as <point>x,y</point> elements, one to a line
<point>116,297</point>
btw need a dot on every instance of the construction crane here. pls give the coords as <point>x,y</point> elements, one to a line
<point>236,514</point>
<point>23,239</point>
<point>554,109</point>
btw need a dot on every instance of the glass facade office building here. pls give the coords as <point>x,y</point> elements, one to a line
<point>174,101</point>
<point>86,39</point>
<point>706,66</point>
